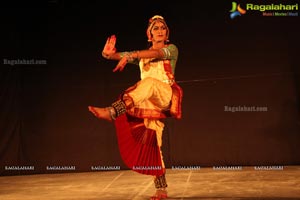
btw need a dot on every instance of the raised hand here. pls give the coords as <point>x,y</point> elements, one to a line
<point>109,47</point>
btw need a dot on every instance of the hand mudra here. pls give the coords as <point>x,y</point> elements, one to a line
<point>109,47</point>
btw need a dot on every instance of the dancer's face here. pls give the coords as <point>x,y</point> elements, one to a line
<point>159,32</point>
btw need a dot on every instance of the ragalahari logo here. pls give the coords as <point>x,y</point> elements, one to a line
<point>236,10</point>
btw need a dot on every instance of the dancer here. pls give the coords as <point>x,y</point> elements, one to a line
<point>139,111</point>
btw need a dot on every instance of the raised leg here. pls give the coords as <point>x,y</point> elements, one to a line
<point>102,113</point>
<point>116,109</point>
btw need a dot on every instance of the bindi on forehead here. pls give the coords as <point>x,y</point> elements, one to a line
<point>159,25</point>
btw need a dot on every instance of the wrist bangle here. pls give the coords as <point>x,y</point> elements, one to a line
<point>130,55</point>
<point>127,55</point>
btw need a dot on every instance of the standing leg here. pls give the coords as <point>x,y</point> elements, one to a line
<point>161,187</point>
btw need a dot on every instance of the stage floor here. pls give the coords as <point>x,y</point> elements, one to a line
<point>195,184</point>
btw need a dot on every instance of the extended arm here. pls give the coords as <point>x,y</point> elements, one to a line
<point>125,57</point>
<point>131,55</point>
<point>109,52</point>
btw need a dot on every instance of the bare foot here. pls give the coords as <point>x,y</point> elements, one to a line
<point>101,113</point>
<point>159,194</point>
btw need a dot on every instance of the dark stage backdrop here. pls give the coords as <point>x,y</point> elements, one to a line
<point>224,65</point>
